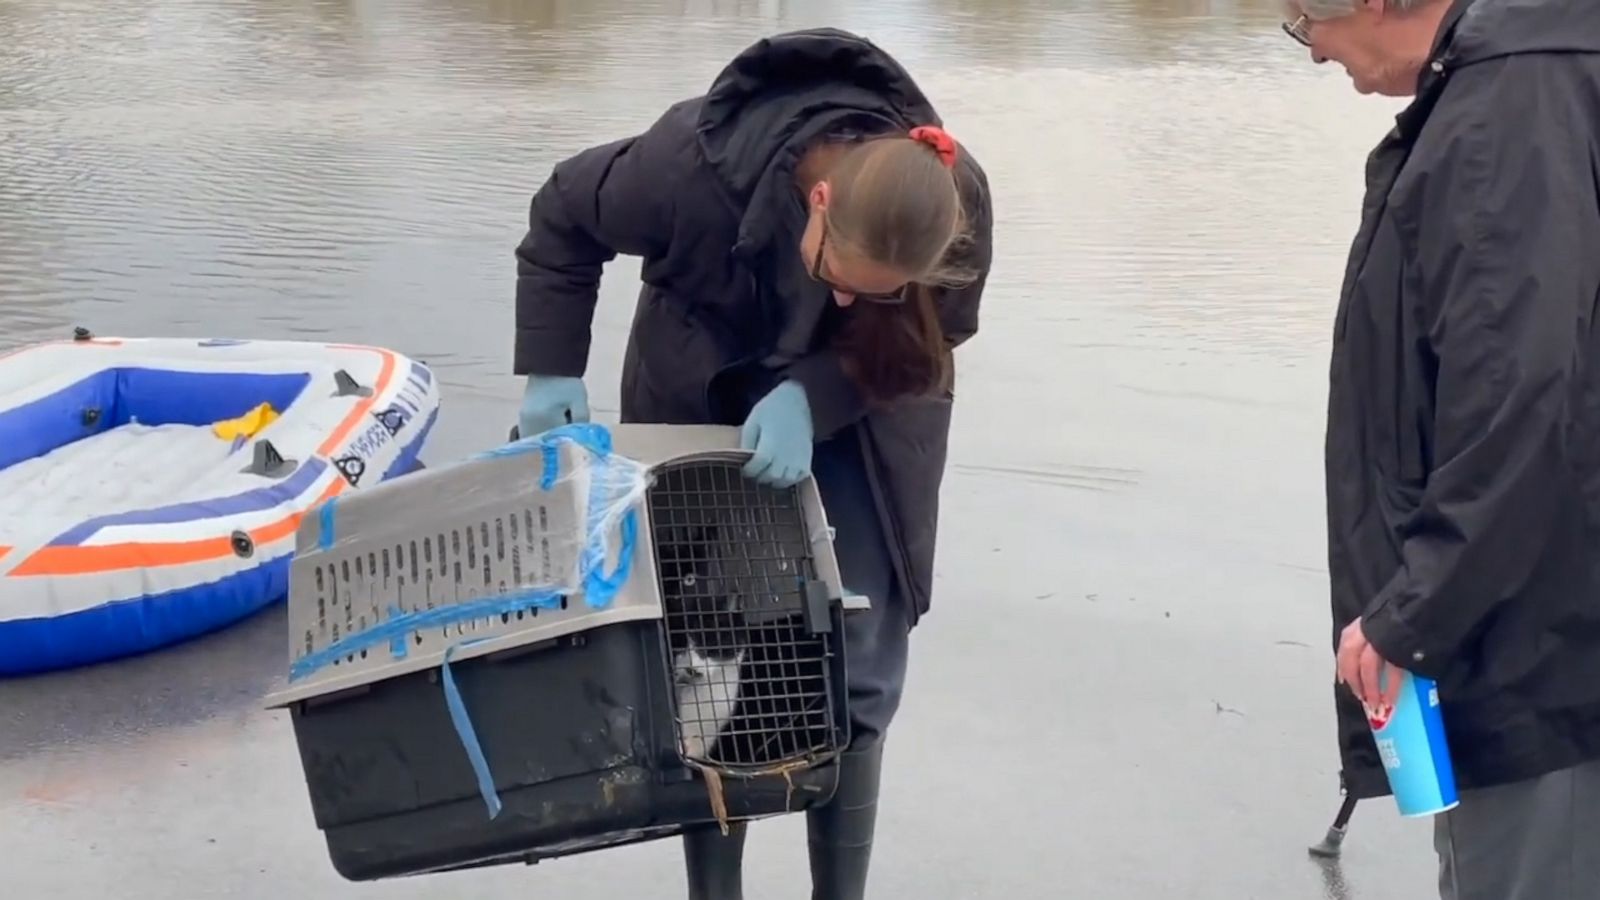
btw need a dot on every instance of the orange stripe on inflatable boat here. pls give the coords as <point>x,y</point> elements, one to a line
<point>385,374</point>
<point>88,559</point>
<point>4,551</point>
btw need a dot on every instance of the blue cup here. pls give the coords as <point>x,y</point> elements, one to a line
<point>1411,742</point>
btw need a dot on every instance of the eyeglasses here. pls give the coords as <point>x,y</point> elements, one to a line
<point>893,297</point>
<point>1300,30</point>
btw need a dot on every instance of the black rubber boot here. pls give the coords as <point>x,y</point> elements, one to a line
<point>840,834</point>
<point>714,863</point>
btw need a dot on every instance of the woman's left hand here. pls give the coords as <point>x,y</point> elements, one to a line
<point>778,429</point>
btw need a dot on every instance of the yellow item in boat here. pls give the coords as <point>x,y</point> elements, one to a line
<point>247,425</point>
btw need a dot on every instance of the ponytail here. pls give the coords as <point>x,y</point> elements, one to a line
<point>896,202</point>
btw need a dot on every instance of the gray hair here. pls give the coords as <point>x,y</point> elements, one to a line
<point>1321,10</point>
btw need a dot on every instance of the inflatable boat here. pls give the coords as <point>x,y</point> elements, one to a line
<point>150,488</point>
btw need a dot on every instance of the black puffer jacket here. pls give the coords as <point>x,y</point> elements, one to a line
<point>1463,443</point>
<point>707,197</point>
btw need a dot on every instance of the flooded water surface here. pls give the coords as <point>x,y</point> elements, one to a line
<point>1124,689</point>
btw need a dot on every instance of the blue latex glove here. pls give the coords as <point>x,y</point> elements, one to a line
<point>550,401</point>
<point>779,431</point>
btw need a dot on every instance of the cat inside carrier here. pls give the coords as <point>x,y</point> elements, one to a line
<point>593,638</point>
<point>749,653</point>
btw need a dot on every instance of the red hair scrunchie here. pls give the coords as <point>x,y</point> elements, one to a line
<point>940,140</point>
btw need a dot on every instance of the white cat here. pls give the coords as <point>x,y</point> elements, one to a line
<point>708,689</point>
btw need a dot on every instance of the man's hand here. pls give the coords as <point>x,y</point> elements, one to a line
<point>1360,667</point>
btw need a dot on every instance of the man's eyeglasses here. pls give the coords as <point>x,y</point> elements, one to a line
<point>893,297</point>
<point>1300,30</point>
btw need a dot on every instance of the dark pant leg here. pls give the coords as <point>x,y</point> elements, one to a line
<point>1532,840</point>
<point>839,835</point>
<point>877,641</point>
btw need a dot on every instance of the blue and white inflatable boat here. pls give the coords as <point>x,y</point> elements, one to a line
<point>150,488</point>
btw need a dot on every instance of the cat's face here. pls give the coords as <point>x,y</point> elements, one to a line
<point>703,614</point>
<point>691,666</point>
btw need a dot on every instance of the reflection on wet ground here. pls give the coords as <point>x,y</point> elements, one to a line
<point>1124,693</point>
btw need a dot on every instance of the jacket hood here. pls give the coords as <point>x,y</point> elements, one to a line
<point>1480,30</point>
<point>785,90</point>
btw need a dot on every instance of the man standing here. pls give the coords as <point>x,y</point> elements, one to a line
<point>1463,442</point>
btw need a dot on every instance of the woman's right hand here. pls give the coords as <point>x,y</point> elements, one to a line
<point>550,401</point>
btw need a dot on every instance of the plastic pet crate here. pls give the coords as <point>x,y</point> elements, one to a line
<point>594,638</point>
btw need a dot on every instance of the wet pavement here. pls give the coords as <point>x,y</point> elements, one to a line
<point>1123,690</point>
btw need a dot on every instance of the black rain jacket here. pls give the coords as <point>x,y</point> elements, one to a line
<point>1463,439</point>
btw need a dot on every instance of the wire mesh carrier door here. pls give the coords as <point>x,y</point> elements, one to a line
<point>751,646</point>
<point>589,639</point>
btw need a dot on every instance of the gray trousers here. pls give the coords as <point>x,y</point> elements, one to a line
<point>877,641</point>
<point>1531,840</point>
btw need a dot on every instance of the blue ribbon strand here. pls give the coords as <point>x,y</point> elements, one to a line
<point>325,524</point>
<point>468,734</point>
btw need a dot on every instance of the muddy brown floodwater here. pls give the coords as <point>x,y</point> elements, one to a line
<point>1123,690</point>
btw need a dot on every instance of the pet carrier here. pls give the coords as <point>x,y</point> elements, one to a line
<point>563,645</point>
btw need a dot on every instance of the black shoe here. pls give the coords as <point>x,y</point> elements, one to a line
<point>715,864</point>
<point>840,834</point>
